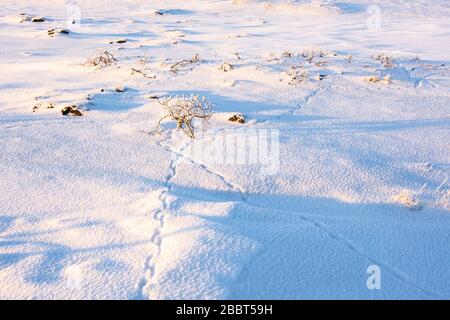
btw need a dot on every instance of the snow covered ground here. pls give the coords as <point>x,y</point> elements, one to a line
<point>351,97</point>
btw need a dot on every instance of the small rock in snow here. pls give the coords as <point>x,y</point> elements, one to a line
<point>237,118</point>
<point>71,110</point>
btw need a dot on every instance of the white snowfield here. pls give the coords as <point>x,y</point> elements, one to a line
<point>349,201</point>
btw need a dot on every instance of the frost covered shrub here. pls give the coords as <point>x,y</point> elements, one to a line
<point>185,110</point>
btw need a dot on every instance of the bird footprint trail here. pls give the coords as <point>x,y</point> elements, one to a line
<point>166,198</point>
<point>350,245</point>
<point>304,102</point>
<point>208,169</point>
<point>150,265</point>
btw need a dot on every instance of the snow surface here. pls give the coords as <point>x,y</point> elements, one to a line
<point>95,207</point>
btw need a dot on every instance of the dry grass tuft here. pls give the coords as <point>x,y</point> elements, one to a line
<point>101,60</point>
<point>407,198</point>
<point>376,79</point>
<point>386,61</point>
<point>226,67</point>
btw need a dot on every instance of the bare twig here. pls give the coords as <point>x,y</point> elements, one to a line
<point>144,74</point>
<point>181,63</point>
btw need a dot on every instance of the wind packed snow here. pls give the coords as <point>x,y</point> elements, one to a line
<point>351,97</point>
